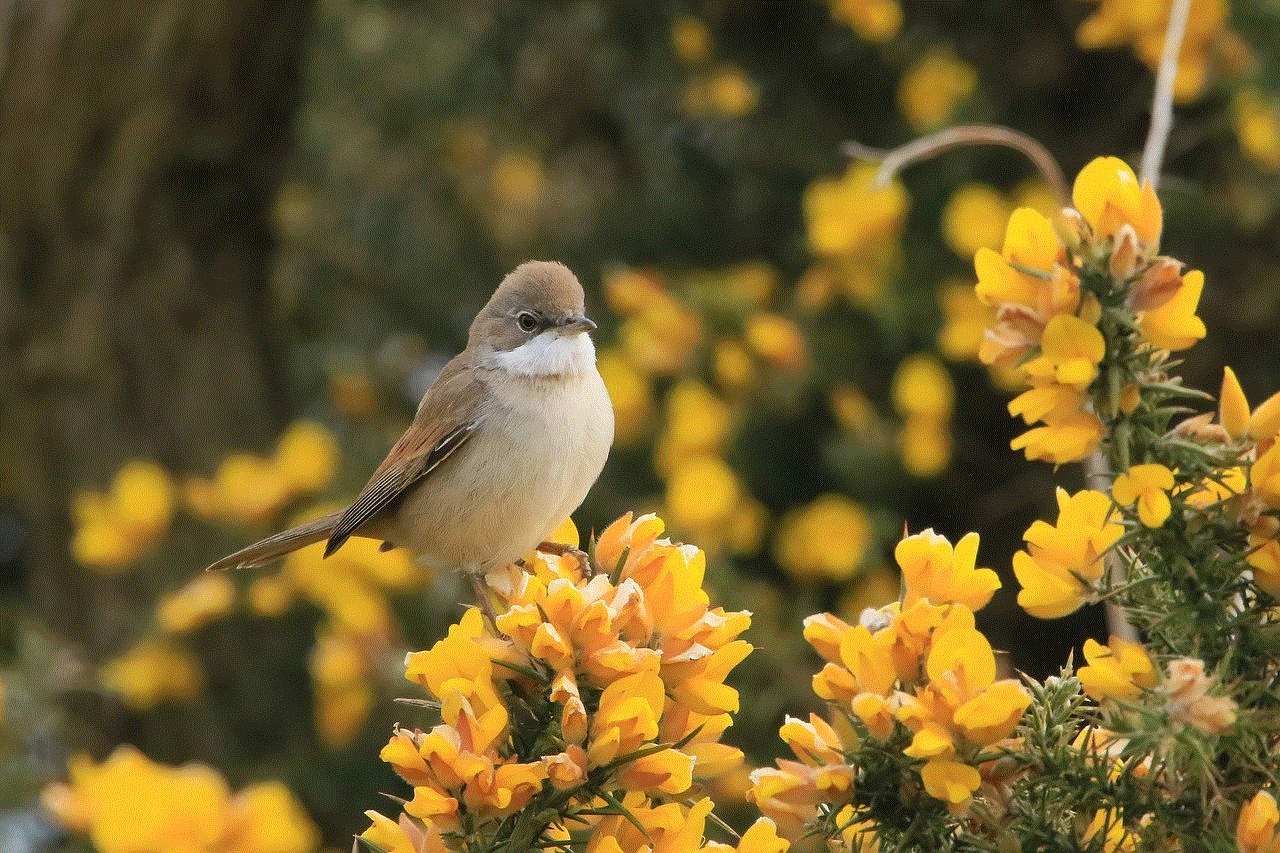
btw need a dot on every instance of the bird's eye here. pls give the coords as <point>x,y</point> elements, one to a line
<point>526,321</point>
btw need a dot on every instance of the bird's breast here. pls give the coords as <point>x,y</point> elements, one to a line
<point>541,444</point>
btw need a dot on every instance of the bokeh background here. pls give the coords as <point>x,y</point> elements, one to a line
<point>237,239</point>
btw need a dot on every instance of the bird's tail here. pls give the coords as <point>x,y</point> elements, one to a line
<point>275,547</point>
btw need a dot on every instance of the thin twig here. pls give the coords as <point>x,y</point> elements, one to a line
<point>1162,99</point>
<point>894,161</point>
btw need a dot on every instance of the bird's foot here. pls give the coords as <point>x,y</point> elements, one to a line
<point>560,549</point>
<point>484,602</point>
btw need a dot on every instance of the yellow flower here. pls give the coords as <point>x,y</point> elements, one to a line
<point>128,804</point>
<point>142,499</point>
<point>702,493</point>
<point>974,218</point>
<point>150,673</point>
<point>778,340</point>
<point>922,388</point>
<point>1121,670</point>
<point>202,600</point>
<point>847,215</point>
<point>699,423</point>
<point>1256,827</point>
<point>874,20</point>
<point>1264,559</point>
<point>933,570</point>
<point>1149,486</point>
<point>828,538</point>
<point>815,743</point>
<point>307,456</point>
<point>925,447</point>
<point>1061,565</point>
<point>725,91</point>
<point>1069,440</point>
<point>1143,26</point>
<point>1264,476</point>
<point>762,837</point>
<point>932,87</point>
<point>1070,351</point>
<point>1174,325</point>
<point>1108,196</point>
<point>953,782</point>
<point>1233,408</point>
<point>627,717</point>
<point>966,319</point>
<point>1110,829</point>
<point>690,39</point>
<point>266,818</point>
<point>406,836</point>
<point>1257,124</point>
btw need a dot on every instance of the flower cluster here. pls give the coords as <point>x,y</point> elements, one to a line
<point>1143,25</point>
<point>1058,300</point>
<point>113,529</point>
<point>1062,567</point>
<point>913,687</point>
<point>129,804</point>
<point>595,697</point>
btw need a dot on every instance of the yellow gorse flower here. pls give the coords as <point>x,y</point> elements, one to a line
<point>1063,563</point>
<point>1148,486</point>
<point>1119,670</point>
<point>128,804</point>
<point>624,665</point>
<point>920,667</point>
<point>1256,826</point>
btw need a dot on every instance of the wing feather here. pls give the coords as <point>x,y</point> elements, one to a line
<point>446,419</point>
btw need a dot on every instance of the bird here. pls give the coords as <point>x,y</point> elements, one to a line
<point>504,446</point>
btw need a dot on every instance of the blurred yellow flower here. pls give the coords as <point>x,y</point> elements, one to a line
<point>1109,829</point>
<point>1257,123</point>
<point>267,818</point>
<point>113,529</point>
<point>204,598</point>
<point>827,538</point>
<point>1149,486</point>
<point>922,388</point>
<point>690,39</point>
<point>631,392</point>
<point>1119,670</point>
<point>128,804</point>
<point>733,366</point>
<point>702,493</point>
<point>150,673</point>
<point>974,218</point>
<point>925,447</point>
<point>777,340</point>
<point>848,214</point>
<point>725,91</point>
<point>933,87</point>
<point>1062,562</point>
<point>698,423</point>
<point>874,20</point>
<point>270,595</point>
<point>1143,25</point>
<point>307,456</point>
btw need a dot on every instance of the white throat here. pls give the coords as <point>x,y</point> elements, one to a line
<point>549,354</point>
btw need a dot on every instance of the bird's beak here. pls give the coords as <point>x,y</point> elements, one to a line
<point>577,324</point>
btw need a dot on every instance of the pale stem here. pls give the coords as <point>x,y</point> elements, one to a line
<point>894,161</point>
<point>1149,172</point>
<point>1162,99</point>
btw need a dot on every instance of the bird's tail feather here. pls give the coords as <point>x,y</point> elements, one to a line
<point>275,547</point>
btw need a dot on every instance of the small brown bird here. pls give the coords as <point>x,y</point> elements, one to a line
<point>505,444</point>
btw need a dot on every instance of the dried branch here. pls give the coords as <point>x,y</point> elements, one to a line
<point>894,161</point>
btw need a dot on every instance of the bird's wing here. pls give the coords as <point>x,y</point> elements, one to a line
<point>448,416</point>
